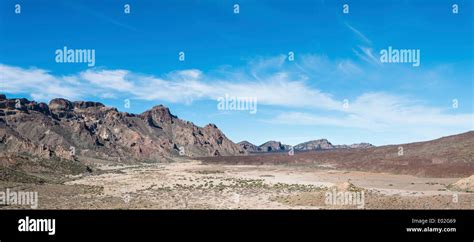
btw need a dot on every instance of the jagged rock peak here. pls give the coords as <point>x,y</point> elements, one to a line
<point>87,104</point>
<point>272,145</point>
<point>60,104</point>
<point>211,126</point>
<point>320,144</point>
<point>247,146</point>
<point>159,113</point>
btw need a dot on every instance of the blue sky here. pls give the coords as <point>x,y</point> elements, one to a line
<point>246,55</point>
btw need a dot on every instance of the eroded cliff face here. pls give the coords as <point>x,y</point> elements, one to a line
<point>67,130</point>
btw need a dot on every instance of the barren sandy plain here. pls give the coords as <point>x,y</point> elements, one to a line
<point>193,184</point>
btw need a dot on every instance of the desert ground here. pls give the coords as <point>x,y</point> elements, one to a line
<point>195,184</point>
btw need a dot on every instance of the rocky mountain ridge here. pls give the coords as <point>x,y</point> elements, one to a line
<point>320,144</point>
<point>68,130</point>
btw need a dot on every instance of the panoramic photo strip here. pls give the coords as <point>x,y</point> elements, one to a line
<point>201,106</point>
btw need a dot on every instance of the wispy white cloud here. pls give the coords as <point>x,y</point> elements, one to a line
<point>366,54</point>
<point>382,112</point>
<point>114,80</point>
<point>38,82</point>
<point>273,82</point>
<point>359,34</point>
<point>185,86</point>
<point>349,68</point>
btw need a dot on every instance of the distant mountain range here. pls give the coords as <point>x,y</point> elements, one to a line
<point>320,144</point>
